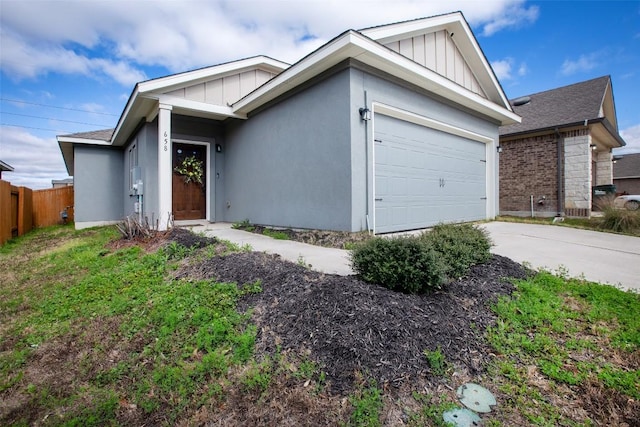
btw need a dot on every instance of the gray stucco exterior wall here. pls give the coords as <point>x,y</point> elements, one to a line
<point>98,183</point>
<point>290,165</point>
<point>385,90</point>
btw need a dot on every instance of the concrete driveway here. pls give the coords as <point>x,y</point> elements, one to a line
<point>599,257</point>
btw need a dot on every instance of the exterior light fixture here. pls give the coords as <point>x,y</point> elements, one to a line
<point>365,114</point>
<point>218,148</point>
<point>499,148</point>
<point>593,147</point>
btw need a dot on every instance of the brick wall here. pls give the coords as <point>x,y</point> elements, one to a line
<point>528,167</point>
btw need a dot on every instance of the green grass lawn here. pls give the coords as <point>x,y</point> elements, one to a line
<point>93,333</point>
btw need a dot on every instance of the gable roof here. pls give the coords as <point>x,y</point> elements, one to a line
<point>581,103</point>
<point>627,166</point>
<point>465,41</point>
<point>96,137</point>
<point>365,46</point>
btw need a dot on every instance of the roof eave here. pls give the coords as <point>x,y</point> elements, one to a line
<point>352,44</point>
<point>454,23</point>
<point>600,120</point>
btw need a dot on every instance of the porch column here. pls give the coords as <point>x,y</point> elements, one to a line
<point>165,173</point>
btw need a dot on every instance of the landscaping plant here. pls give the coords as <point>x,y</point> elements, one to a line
<point>419,264</point>
<point>405,264</point>
<point>459,245</point>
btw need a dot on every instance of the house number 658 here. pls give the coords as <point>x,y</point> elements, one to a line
<point>166,142</point>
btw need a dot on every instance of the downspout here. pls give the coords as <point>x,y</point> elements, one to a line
<point>559,170</point>
<point>366,159</point>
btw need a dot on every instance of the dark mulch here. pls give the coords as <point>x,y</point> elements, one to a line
<point>347,325</point>
<point>329,239</point>
<point>186,238</point>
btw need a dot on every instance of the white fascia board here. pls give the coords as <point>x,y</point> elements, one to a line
<point>219,111</point>
<point>310,66</point>
<point>89,141</point>
<point>355,45</point>
<point>166,84</point>
<point>127,110</point>
<point>393,32</point>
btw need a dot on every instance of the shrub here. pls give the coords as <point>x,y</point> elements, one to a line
<point>461,246</point>
<point>621,220</point>
<point>406,264</point>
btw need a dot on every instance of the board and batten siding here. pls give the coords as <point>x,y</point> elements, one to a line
<point>224,90</point>
<point>439,53</point>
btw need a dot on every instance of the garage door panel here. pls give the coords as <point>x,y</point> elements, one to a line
<point>424,176</point>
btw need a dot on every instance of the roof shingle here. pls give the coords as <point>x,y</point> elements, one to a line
<point>627,166</point>
<point>562,106</point>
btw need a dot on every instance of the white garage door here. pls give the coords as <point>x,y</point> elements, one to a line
<point>425,176</point>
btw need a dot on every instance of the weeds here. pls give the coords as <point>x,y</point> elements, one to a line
<point>437,361</point>
<point>367,405</point>
<point>275,234</point>
<point>621,220</point>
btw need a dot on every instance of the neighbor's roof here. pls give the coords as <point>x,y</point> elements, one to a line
<point>627,166</point>
<point>567,105</point>
<point>97,135</point>
<point>5,167</point>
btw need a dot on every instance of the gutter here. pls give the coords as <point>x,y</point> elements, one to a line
<point>607,125</point>
<point>559,172</point>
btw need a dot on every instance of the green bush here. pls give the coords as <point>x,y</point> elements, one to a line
<point>405,264</point>
<point>460,246</point>
<point>621,220</point>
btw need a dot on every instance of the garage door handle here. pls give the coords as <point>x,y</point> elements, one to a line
<point>379,200</point>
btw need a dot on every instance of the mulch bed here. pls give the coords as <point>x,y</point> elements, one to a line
<point>348,326</point>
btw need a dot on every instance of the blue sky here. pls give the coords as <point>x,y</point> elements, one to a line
<point>69,66</point>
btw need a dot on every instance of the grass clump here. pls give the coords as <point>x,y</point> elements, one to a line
<point>403,264</point>
<point>554,333</point>
<point>367,406</point>
<point>621,220</point>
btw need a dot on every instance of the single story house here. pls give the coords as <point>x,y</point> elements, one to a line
<point>5,167</point>
<point>384,129</point>
<point>550,161</point>
<point>626,173</point>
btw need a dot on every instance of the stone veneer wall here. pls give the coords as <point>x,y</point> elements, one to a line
<point>577,172</point>
<point>604,168</point>
<point>528,167</point>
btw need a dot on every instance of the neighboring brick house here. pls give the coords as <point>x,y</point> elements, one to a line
<point>560,150</point>
<point>626,174</point>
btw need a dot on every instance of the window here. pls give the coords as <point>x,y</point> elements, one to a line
<point>134,170</point>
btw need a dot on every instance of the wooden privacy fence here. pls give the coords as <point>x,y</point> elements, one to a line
<point>49,203</point>
<point>16,211</point>
<point>22,209</point>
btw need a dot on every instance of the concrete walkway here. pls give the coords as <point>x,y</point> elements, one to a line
<point>326,260</point>
<point>599,257</point>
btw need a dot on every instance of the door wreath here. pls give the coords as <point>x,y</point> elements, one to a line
<point>191,169</point>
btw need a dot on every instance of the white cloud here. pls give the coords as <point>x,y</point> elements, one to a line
<point>115,38</point>
<point>502,68</point>
<point>515,16</point>
<point>22,59</point>
<point>583,63</point>
<point>631,136</point>
<point>523,70</point>
<point>36,161</point>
